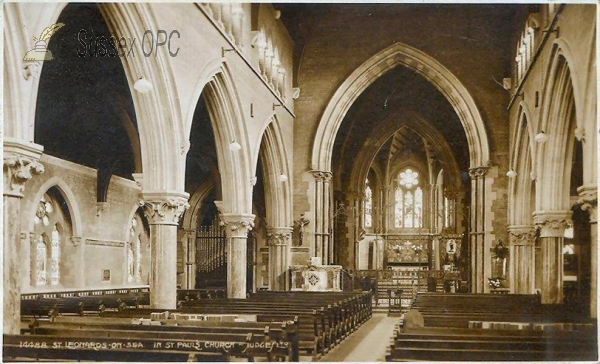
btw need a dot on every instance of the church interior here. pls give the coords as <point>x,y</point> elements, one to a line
<point>300,182</point>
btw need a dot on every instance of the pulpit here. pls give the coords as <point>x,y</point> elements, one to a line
<point>316,278</point>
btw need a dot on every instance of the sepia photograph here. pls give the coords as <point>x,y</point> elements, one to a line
<point>300,181</point>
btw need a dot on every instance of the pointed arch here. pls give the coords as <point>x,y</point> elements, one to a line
<point>423,64</point>
<point>190,217</point>
<point>275,162</point>
<point>161,130</point>
<point>228,125</point>
<point>520,188</point>
<point>558,121</point>
<point>386,129</point>
<point>67,195</point>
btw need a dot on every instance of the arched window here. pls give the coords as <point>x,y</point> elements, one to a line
<point>408,201</point>
<point>55,256</point>
<point>40,262</point>
<point>46,257</point>
<point>368,207</point>
<point>134,252</point>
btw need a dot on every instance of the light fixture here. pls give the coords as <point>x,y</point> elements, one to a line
<point>511,174</point>
<point>541,137</point>
<point>283,177</point>
<point>142,85</point>
<point>234,146</point>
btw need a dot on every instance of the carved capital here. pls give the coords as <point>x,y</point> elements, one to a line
<point>166,211</point>
<point>588,201</point>
<point>76,240</point>
<point>31,69</point>
<point>552,224</point>
<point>279,236</point>
<point>237,225</point>
<point>18,169</point>
<point>321,176</point>
<point>478,172</point>
<point>522,235</point>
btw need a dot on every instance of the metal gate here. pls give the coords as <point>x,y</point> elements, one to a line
<point>211,256</point>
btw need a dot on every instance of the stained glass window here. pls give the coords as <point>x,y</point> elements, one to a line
<point>368,207</point>
<point>409,178</point>
<point>40,262</point>
<point>138,259</point>
<point>134,253</point>
<point>418,215</point>
<point>55,256</point>
<point>49,222</point>
<point>408,211</point>
<point>399,210</point>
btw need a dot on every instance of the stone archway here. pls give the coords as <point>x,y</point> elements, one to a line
<point>421,63</point>
<point>463,104</point>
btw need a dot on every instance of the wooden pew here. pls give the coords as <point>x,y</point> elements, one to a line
<point>441,344</point>
<point>117,349</point>
<point>278,332</point>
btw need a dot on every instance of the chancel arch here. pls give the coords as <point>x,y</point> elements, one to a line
<point>378,65</point>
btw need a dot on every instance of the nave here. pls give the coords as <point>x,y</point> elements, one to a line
<point>300,326</point>
<point>253,153</point>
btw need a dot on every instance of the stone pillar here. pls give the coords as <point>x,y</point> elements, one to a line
<point>163,210</point>
<point>279,256</point>
<point>237,227</point>
<point>552,225</point>
<point>522,258</point>
<point>588,198</point>
<point>477,231</point>
<point>21,162</point>
<point>321,208</point>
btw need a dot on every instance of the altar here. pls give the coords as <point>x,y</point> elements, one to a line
<point>316,278</point>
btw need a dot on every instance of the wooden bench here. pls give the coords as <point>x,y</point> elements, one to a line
<point>118,349</point>
<point>271,344</point>
<point>440,344</point>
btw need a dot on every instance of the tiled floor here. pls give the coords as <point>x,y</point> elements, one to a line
<point>367,344</point>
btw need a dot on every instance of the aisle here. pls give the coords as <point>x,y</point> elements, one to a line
<point>367,344</point>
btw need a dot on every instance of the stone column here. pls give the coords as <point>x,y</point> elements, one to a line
<point>279,256</point>
<point>321,208</point>
<point>522,258</point>
<point>588,198</point>
<point>477,231</point>
<point>237,227</point>
<point>21,162</point>
<point>552,225</point>
<point>163,210</point>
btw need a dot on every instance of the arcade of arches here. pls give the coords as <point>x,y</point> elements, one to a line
<point>460,137</point>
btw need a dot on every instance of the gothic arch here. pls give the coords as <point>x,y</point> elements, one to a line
<point>70,199</point>
<point>224,108</point>
<point>190,217</point>
<point>134,209</point>
<point>275,163</point>
<point>385,130</point>
<point>423,64</point>
<point>161,131</point>
<point>521,159</point>
<point>558,120</point>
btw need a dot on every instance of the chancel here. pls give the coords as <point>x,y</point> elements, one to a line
<point>300,182</point>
